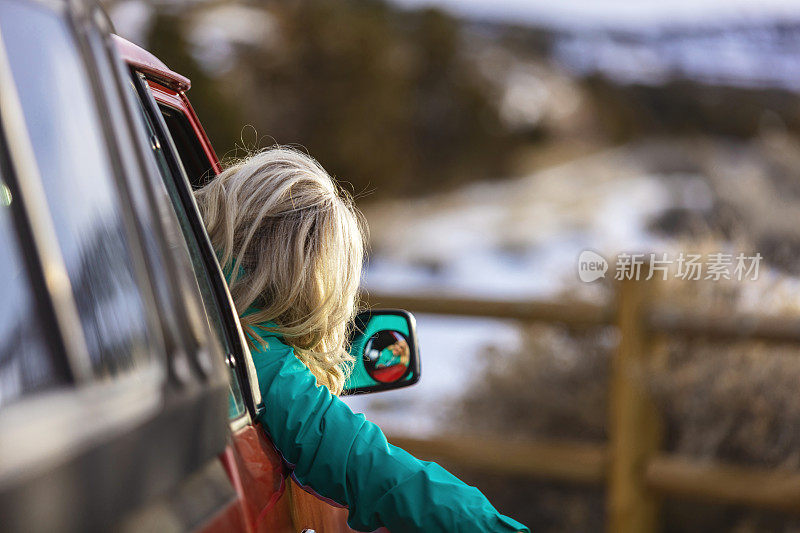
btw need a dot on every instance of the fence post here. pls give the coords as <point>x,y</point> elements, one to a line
<point>634,424</point>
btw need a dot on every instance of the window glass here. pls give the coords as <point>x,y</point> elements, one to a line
<point>65,130</point>
<point>235,401</point>
<point>25,362</point>
<point>199,267</point>
<point>194,158</point>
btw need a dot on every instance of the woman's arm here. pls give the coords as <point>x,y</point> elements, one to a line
<point>345,458</point>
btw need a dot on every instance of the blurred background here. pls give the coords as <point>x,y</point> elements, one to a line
<point>488,144</point>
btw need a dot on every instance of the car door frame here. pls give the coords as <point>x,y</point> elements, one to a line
<point>252,461</point>
<point>298,507</point>
<point>290,506</point>
<point>241,360</point>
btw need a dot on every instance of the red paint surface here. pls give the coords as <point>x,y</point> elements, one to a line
<point>178,100</point>
<point>149,65</point>
<point>389,374</point>
<point>261,476</point>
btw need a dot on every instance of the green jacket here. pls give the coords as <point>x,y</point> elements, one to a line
<point>345,458</point>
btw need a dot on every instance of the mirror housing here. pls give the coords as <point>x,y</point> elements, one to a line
<point>384,345</point>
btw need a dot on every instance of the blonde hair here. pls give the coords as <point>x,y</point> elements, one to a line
<point>293,245</point>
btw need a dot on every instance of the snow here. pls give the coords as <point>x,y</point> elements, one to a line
<point>520,239</point>
<point>218,30</point>
<point>515,239</point>
<point>451,348</point>
<point>614,13</point>
<point>744,56</point>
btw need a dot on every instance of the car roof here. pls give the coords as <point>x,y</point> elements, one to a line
<point>150,65</point>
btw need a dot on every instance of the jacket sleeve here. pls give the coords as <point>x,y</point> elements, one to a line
<point>345,458</point>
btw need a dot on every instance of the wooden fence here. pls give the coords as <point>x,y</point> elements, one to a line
<point>632,467</point>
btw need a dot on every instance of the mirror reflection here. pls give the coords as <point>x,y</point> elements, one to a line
<point>387,356</point>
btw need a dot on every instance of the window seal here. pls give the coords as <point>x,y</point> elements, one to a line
<point>221,293</point>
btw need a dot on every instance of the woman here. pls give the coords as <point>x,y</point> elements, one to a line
<point>292,246</point>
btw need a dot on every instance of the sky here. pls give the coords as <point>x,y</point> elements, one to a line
<point>617,12</point>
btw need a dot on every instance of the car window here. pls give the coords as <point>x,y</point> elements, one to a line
<point>195,161</point>
<point>26,365</point>
<point>79,184</point>
<point>202,276</point>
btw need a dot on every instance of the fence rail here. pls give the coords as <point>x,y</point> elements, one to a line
<point>658,319</point>
<point>587,464</point>
<point>636,474</point>
<point>577,314</point>
<point>583,463</point>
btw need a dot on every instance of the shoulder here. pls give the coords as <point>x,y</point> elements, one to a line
<point>281,374</point>
<point>267,340</point>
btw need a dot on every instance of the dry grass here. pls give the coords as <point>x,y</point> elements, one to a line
<point>735,401</point>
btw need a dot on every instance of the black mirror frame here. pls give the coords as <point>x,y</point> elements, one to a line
<point>415,366</point>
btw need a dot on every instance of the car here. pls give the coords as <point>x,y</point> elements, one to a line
<point>128,398</point>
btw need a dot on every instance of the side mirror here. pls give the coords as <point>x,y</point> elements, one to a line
<point>384,345</point>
